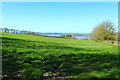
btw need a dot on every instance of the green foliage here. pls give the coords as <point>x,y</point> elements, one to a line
<point>31,73</point>
<point>104,31</point>
<point>28,57</point>
<point>67,36</point>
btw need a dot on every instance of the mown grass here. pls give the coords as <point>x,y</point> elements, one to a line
<point>30,57</point>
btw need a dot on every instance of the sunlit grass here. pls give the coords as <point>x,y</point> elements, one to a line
<point>77,58</point>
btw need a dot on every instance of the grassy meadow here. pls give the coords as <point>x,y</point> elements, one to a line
<point>28,57</point>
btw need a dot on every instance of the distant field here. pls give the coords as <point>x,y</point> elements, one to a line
<point>33,57</point>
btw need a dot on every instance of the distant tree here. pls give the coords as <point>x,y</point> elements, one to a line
<point>32,33</point>
<point>67,36</point>
<point>22,31</point>
<point>10,30</point>
<point>27,32</point>
<point>104,31</point>
<point>0,29</point>
<point>5,29</point>
<point>16,31</point>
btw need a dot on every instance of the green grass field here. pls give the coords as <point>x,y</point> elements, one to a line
<point>29,57</point>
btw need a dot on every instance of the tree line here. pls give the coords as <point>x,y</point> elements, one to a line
<point>17,31</point>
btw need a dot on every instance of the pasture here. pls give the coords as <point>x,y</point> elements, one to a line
<point>29,57</point>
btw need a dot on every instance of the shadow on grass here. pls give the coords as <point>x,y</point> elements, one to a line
<point>82,65</point>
